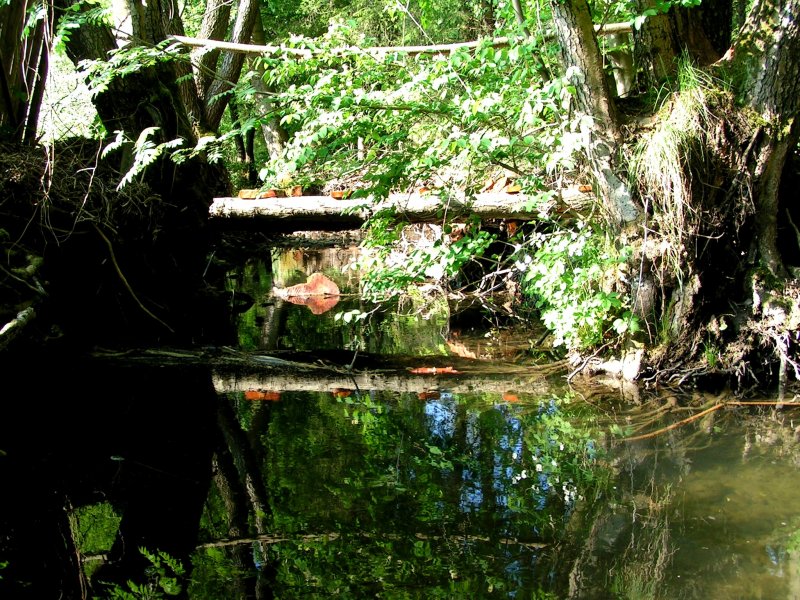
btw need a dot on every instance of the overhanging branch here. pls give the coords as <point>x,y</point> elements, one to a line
<point>269,49</point>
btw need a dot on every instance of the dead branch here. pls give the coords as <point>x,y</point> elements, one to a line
<point>775,403</point>
<point>269,49</point>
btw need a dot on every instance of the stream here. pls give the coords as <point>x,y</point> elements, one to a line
<point>368,474</point>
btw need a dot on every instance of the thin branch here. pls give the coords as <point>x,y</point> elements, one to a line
<point>269,49</point>
<point>125,281</point>
<point>776,404</point>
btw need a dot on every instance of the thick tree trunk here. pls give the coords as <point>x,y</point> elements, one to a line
<point>702,33</point>
<point>767,50</point>
<point>655,48</point>
<point>146,98</point>
<point>156,244</point>
<point>738,316</point>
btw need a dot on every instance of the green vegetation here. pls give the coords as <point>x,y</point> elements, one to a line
<point>165,578</point>
<point>336,97</point>
<point>390,494</point>
<point>570,276</point>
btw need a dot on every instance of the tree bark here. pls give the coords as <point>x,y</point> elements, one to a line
<point>274,134</point>
<point>767,50</point>
<point>23,69</point>
<point>324,213</point>
<point>581,54</point>
<point>231,64</point>
<point>213,27</point>
<point>655,48</point>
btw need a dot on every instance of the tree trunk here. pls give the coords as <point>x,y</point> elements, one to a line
<point>768,52</point>
<point>727,316</point>
<point>655,49</point>
<point>702,33</point>
<point>231,64</point>
<point>157,245</point>
<point>581,54</point>
<point>325,213</point>
<point>275,136</point>
<point>214,27</point>
<point>23,69</point>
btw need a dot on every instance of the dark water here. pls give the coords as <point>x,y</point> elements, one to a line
<point>500,481</point>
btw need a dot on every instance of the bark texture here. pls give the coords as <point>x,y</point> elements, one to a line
<point>23,69</point>
<point>767,52</point>
<point>576,35</point>
<point>231,63</point>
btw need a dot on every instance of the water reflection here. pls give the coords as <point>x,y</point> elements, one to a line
<point>382,493</point>
<point>489,480</point>
<point>416,324</point>
<point>108,455</point>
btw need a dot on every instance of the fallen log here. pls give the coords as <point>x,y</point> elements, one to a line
<point>263,377</point>
<point>324,213</point>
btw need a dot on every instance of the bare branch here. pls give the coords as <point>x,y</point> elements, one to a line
<point>378,50</point>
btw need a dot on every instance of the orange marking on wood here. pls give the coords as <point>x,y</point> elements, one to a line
<point>258,395</point>
<point>433,370</point>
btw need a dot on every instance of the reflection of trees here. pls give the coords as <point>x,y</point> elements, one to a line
<point>240,486</point>
<point>620,549</point>
<point>405,492</point>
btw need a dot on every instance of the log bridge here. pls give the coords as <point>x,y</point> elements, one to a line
<point>326,213</point>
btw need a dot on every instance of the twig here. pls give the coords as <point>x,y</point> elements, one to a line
<point>674,425</point>
<point>774,403</point>
<point>125,281</point>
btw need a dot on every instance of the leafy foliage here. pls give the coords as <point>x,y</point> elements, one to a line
<point>568,275</point>
<point>396,121</point>
<point>77,15</point>
<point>164,579</point>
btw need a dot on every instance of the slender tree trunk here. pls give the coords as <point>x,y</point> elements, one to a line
<point>23,69</point>
<point>275,136</point>
<point>244,145</point>
<point>231,64</point>
<point>214,27</point>
<point>581,55</point>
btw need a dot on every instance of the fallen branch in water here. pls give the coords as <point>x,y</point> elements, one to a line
<point>775,403</point>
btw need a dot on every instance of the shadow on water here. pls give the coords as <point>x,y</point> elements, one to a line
<point>137,441</point>
<point>370,479</point>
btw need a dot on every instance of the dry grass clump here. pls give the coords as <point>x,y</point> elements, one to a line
<point>671,164</point>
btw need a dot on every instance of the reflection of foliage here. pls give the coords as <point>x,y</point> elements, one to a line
<point>638,573</point>
<point>793,545</point>
<point>450,495</point>
<point>213,573</point>
<point>164,579</point>
<point>254,279</point>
